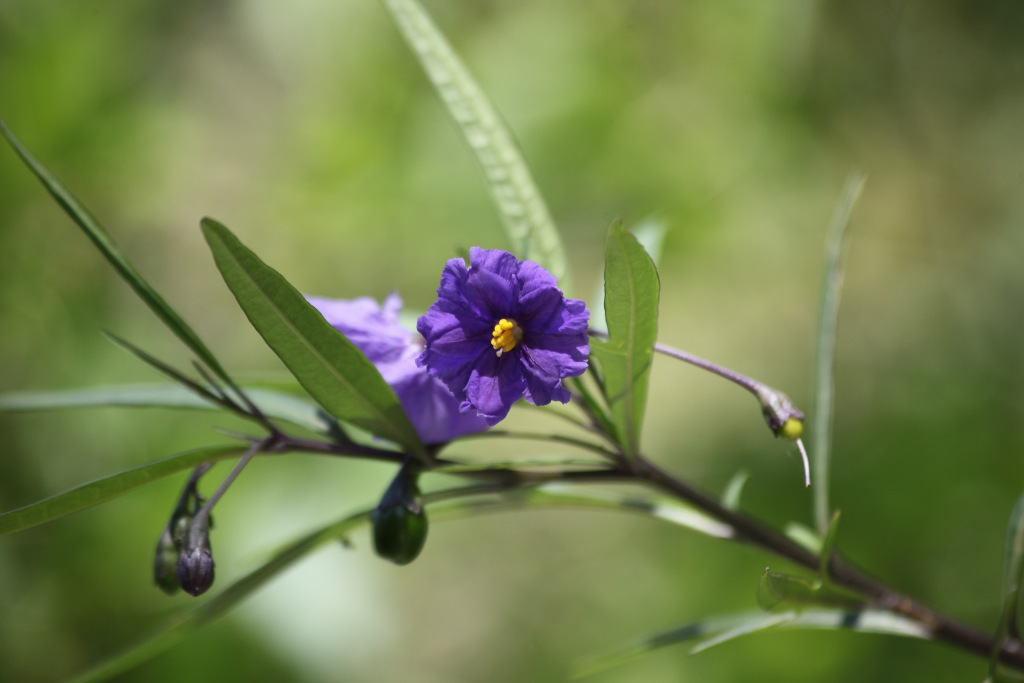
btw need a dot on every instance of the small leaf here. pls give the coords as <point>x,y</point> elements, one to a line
<point>99,236</point>
<point>775,591</point>
<point>631,308</point>
<point>523,212</point>
<point>102,490</point>
<point>325,363</point>
<point>779,592</point>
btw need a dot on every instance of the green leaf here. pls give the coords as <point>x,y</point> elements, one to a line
<point>777,592</point>
<point>1013,577</point>
<point>734,489</point>
<point>824,362</point>
<point>525,216</point>
<point>781,591</point>
<point>650,233</point>
<point>108,488</point>
<point>273,404</point>
<point>334,372</point>
<point>721,629</point>
<point>99,236</point>
<point>631,308</point>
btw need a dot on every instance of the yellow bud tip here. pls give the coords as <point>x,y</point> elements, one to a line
<point>506,336</point>
<point>791,429</point>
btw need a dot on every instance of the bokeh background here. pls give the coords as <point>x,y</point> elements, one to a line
<point>309,129</point>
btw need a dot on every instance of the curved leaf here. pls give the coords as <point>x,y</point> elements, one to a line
<point>824,361</point>
<point>102,490</point>
<point>334,372</point>
<point>632,290</point>
<point>523,212</point>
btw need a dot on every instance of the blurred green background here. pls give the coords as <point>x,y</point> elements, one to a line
<point>309,129</point>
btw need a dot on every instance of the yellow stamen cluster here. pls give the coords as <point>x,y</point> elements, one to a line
<point>505,336</point>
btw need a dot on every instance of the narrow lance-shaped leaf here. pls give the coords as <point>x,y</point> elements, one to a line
<point>523,212</point>
<point>632,289</point>
<point>273,404</point>
<point>325,363</point>
<point>1013,577</point>
<point>102,490</point>
<point>99,236</point>
<point>824,363</point>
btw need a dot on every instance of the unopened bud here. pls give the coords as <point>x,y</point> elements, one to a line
<point>399,522</point>
<point>195,564</point>
<point>165,563</point>
<point>782,416</point>
<point>785,420</point>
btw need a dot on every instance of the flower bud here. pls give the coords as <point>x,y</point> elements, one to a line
<point>165,562</point>
<point>782,416</point>
<point>195,563</point>
<point>195,571</point>
<point>399,522</point>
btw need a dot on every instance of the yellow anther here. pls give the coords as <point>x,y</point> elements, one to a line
<point>506,335</point>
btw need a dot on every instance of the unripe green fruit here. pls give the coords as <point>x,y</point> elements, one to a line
<point>165,564</point>
<point>399,530</point>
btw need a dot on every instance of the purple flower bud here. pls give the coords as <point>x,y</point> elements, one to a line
<point>195,570</point>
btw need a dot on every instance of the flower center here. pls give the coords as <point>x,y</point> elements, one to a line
<point>505,336</point>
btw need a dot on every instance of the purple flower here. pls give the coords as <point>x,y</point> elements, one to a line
<point>501,329</point>
<point>375,331</point>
